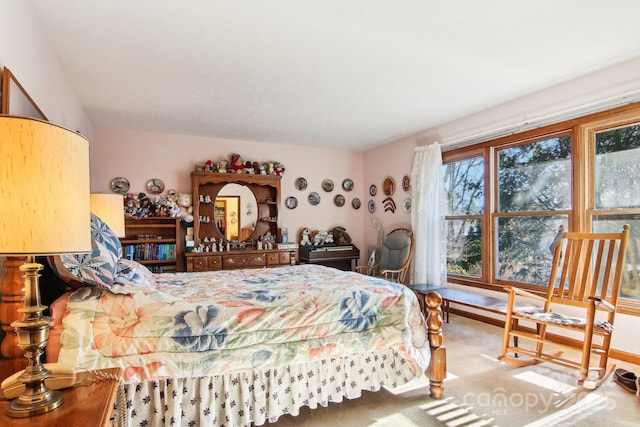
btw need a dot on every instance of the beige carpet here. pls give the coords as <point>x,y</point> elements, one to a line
<point>480,391</point>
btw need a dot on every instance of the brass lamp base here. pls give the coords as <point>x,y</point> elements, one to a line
<point>32,331</point>
<point>38,404</point>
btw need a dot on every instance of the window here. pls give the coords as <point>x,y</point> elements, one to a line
<point>616,202</point>
<point>534,199</point>
<point>508,197</point>
<point>464,185</point>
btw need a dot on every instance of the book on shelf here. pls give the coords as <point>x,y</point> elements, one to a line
<point>150,251</point>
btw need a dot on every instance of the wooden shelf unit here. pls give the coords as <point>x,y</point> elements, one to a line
<point>154,242</point>
<point>265,188</point>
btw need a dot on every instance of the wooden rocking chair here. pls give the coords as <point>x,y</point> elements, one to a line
<point>585,278</point>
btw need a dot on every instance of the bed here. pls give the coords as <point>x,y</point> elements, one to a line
<point>239,347</point>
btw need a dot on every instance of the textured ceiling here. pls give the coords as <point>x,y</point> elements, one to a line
<point>335,73</point>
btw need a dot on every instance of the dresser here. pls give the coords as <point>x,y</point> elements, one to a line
<point>244,258</point>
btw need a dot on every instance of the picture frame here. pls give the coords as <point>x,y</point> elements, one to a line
<point>16,101</point>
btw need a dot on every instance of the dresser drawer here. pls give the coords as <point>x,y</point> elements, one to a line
<point>279,258</point>
<point>207,263</point>
<point>244,261</point>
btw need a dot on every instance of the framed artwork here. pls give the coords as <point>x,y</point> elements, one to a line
<point>16,101</point>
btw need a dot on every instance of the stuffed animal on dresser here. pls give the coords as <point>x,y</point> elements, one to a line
<point>185,203</point>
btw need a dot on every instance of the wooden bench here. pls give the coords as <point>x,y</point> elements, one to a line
<point>470,299</point>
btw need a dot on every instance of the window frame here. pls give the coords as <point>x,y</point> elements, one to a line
<point>582,131</point>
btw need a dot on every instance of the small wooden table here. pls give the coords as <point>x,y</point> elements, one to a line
<point>87,405</point>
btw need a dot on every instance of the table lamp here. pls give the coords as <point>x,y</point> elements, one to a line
<point>44,188</point>
<point>110,209</point>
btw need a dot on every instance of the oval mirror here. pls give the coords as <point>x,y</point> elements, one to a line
<point>235,212</point>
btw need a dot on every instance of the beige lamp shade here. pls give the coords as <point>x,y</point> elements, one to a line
<point>110,209</point>
<point>44,188</point>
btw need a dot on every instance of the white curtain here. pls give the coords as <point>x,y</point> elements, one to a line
<point>427,216</point>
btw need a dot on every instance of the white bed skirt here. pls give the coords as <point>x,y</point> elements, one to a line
<point>254,397</point>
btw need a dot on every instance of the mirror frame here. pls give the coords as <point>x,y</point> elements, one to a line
<point>259,185</point>
<point>16,101</point>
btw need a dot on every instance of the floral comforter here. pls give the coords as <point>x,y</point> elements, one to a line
<point>188,325</point>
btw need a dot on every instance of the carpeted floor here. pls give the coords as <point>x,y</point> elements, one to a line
<point>481,391</point>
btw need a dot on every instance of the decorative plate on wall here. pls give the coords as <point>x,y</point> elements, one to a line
<point>347,185</point>
<point>372,206</point>
<point>356,203</point>
<point>339,200</point>
<point>373,190</point>
<point>120,185</point>
<point>291,202</point>
<point>327,185</point>
<point>314,198</point>
<point>155,186</point>
<point>406,205</point>
<point>301,184</point>
<point>389,186</point>
<point>406,183</point>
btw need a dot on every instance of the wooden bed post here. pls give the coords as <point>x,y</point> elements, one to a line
<point>437,370</point>
<point>12,288</point>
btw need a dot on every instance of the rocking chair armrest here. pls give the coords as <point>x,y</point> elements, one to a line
<point>523,293</point>
<point>604,303</point>
<point>390,271</point>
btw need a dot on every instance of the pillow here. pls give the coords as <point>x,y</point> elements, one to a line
<point>97,268</point>
<point>132,272</point>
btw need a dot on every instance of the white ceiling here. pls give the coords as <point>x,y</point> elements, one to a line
<point>335,73</point>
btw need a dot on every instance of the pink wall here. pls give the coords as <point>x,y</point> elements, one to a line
<point>394,160</point>
<point>140,156</point>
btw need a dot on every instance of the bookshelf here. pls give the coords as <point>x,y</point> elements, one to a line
<point>154,242</point>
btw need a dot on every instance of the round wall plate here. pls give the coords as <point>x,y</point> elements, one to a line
<point>327,185</point>
<point>291,202</point>
<point>301,183</point>
<point>347,185</point>
<point>120,185</point>
<point>356,203</point>
<point>406,205</point>
<point>373,190</point>
<point>372,206</point>
<point>406,183</point>
<point>314,198</point>
<point>389,186</point>
<point>339,200</point>
<point>155,186</point>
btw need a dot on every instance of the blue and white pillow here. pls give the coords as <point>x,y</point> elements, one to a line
<point>97,268</point>
<point>132,272</point>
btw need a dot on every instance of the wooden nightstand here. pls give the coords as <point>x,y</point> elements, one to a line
<point>89,405</point>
